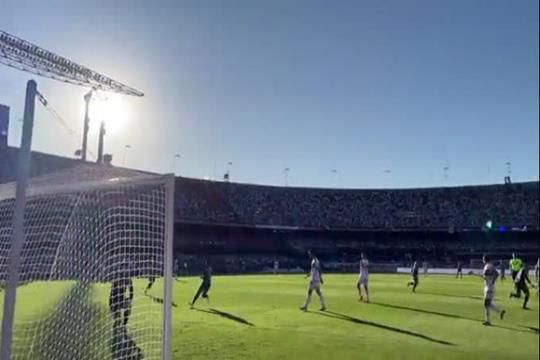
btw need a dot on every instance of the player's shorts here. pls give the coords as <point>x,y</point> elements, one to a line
<point>363,280</point>
<point>514,274</point>
<point>314,285</point>
<point>489,294</point>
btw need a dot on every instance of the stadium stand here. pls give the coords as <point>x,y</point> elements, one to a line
<point>245,227</point>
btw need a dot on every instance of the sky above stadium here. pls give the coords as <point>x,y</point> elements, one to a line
<point>387,93</point>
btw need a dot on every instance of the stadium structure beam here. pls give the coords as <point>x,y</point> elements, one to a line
<point>23,55</point>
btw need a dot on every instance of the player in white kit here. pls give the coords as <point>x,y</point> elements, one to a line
<point>490,274</point>
<point>315,282</point>
<point>363,278</point>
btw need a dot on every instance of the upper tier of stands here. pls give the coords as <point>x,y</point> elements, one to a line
<point>448,208</point>
<point>220,203</point>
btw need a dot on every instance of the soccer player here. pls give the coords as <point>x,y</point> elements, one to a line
<point>515,265</point>
<point>490,274</point>
<point>363,278</point>
<point>521,280</point>
<point>205,285</point>
<point>119,303</point>
<point>414,273</point>
<point>315,282</point>
<point>459,273</point>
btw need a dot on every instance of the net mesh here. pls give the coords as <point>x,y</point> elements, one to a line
<point>94,241</point>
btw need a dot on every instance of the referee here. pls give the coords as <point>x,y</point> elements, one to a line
<point>515,265</point>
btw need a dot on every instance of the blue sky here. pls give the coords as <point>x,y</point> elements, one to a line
<point>357,86</point>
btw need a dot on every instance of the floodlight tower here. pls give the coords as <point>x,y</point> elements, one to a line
<point>25,56</point>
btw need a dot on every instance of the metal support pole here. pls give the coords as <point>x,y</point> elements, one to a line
<point>17,237</point>
<point>87,98</point>
<point>100,142</point>
<point>168,268</point>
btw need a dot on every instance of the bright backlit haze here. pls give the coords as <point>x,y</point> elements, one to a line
<point>357,86</point>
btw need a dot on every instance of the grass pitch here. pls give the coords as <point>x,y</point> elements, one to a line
<point>258,317</point>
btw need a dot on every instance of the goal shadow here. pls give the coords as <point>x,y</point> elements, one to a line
<point>76,328</point>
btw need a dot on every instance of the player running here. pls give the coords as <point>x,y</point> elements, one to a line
<point>205,285</point>
<point>119,303</point>
<point>459,273</point>
<point>521,280</point>
<point>315,282</point>
<point>515,265</point>
<point>414,273</point>
<point>490,274</point>
<point>363,278</point>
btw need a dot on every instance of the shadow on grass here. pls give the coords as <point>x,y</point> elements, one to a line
<point>159,300</point>
<point>533,329</point>
<point>76,328</point>
<point>335,315</point>
<point>453,316</point>
<point>399,307</point>
<point>226,315</point>
<point>455,296</point>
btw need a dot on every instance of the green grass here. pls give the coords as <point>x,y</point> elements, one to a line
<point>442,320</point>
<point>257,317</point>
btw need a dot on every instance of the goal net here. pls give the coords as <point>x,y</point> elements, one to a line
<point>94,239</point>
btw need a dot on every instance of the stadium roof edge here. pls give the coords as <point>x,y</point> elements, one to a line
<point>522,183</point>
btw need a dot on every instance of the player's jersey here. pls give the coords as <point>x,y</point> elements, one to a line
<point>459,266</point>
<point>414,270</point>
<point>490,276</point>
<point>516,264</point>
<point>364,268</point>
<point>207,275</point>
<point>315,273</point>
<point>522,278</point>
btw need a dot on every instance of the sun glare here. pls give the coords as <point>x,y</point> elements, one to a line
<point>112,110</point>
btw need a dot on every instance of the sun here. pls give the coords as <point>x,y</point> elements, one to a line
<point>110,108</point>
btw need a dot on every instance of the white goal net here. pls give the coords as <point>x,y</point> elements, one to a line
<point>95,267</point>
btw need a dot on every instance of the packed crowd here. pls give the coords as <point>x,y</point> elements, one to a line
<point>470,207</point>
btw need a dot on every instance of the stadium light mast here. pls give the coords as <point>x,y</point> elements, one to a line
<point>23,55</point>
<point>175,159</point>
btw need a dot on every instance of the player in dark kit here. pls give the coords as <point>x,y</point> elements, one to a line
<point>119,303</point>
<point>414,273</point>
<point>151,281</point>
<point>521,280</point>
<point>205,285</point>
<point>120,300</point>
<point>459,273</point>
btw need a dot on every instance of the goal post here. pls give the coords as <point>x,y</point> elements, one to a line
<point>94,237</point>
